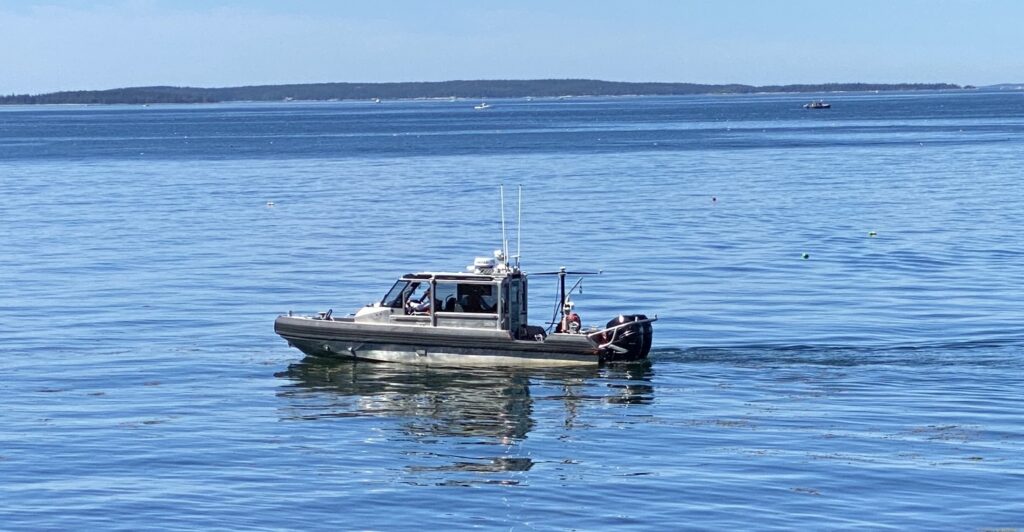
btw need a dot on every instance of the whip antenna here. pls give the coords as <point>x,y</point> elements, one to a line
<point>519,228</point>
<point>504,240</point>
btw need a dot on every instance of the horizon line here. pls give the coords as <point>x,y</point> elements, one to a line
<point>507,80</point>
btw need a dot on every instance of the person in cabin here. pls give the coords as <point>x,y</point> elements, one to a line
<point>421,304</point>
<point>477,299</point>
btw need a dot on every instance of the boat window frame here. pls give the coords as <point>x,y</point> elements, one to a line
<point>456,281</point>
<point>440,289</point>
<point>405,285</point>
<point>397,300</point>
<point>409,284</point>
<point>495,294</point>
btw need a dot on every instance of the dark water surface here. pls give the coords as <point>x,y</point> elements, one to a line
<point>875,384</point>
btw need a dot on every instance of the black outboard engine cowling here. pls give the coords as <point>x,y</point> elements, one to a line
<point>633,341</point>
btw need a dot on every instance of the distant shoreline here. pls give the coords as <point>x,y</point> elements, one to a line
<point>480,89</point>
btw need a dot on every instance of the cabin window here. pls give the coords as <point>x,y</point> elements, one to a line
<point>418,291</point>
<point>447,296</point>
<point>394,297</point>
<point>476,298</point>
<point>403,293</point>
<point>504,297</point>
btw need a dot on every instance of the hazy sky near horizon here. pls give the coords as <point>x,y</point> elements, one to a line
<point>77,44</point>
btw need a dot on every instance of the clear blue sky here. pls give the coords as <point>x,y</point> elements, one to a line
<point>77,44</point>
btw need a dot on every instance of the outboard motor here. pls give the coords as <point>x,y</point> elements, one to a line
<point>633,341</point>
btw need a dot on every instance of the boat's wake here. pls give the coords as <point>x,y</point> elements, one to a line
<point>990,352</point>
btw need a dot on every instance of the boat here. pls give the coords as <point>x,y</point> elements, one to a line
<point>475,317</point>
<point>819,104</point>
<point>482,106</point>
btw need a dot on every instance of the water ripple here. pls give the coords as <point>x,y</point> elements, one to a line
<point>839,342</point>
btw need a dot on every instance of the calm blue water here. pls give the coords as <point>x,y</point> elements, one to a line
<point>875,384</point>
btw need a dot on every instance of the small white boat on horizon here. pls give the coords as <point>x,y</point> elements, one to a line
<point>483,106</point>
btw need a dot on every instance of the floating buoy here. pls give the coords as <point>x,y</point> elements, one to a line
<point>805,256</point>
<point>714,199</point>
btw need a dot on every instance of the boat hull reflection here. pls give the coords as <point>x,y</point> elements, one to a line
<point>429,401</point>
<point>454,426</point>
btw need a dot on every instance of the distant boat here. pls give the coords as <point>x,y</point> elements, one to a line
<point>482,106</point>
<point>820,104</point>
<point>376,100</point>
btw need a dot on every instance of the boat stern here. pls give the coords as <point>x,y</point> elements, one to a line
<point>625,338</point>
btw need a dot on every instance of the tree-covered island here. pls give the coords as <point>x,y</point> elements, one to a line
<point>539,88</point>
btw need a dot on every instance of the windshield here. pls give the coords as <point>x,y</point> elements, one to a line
<point>393,298</point>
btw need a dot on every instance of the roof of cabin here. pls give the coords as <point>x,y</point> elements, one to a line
<point>461,276</point>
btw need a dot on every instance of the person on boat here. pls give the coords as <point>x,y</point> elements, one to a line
<point>571,322</point>
<point>476,300</point>
<point>421,304</point>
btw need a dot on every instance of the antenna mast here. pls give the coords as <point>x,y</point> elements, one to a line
<point>504,240</point>
<point>519,228</point>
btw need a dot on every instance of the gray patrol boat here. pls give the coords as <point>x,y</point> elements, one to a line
<point>477,317</point>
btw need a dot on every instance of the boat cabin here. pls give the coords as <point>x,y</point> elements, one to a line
<point>491,296</point>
